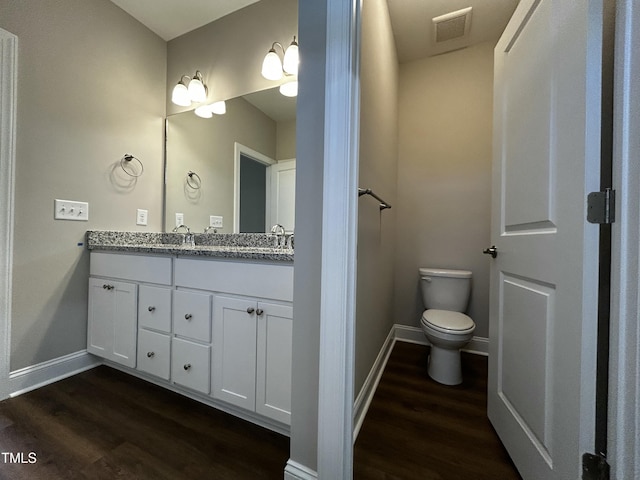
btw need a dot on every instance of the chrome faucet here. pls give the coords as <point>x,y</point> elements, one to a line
<point>187,237</point>
<point>210,227</point>
<point>279,236</point>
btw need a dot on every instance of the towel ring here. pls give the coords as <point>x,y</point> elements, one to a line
<point>127,160</point>
<point>193,183</point>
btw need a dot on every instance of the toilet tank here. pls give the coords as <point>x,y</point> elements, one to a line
<point>445,289</point>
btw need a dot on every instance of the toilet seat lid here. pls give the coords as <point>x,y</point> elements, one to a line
<point>447,321</point>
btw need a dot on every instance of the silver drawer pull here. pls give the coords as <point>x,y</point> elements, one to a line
<point>250,310</point>
<point>187,366</point>
<point>259,312</point>
<point>108,287</point>
<point>152,309</point>
<point>188,316</point>
<point>150,354</point>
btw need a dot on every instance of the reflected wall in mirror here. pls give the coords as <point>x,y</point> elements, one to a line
<point>245,161</point>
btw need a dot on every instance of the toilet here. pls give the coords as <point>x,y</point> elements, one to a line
<point>445,294</point>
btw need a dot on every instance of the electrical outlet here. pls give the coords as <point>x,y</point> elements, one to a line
<point>141,217</point>
<point>71,210</point>
<point>215,221</point>
<point>179,219</point>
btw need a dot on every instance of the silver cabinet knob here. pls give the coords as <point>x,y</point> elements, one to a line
<point>108,287</point>
<point>250,310</point>
<point>188,316</point>
<point>492,250</point>
<point>259,312</point>
<point>150,354</point>
<point>187,366</point>
<point>151,309</point>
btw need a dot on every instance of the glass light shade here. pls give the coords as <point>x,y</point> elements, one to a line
<point>219,108</point>
<point>291,59</point>
<point>289,89</point>
<point>180,95</point>
<point>204,111</point>
<point>272,66</point>
<point>197,92</point>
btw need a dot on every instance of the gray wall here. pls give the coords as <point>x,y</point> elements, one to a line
<point>444,175</point>
<point>229,51</point>
<point>377,170</point>
<point>91,87</point>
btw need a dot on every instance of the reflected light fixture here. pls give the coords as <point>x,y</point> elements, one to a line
<point>207,111</point>
<point>273,68</point>
<point>289,89</point>
<point>194,90</point>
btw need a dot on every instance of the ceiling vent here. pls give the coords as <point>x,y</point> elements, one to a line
<point>452,25</point>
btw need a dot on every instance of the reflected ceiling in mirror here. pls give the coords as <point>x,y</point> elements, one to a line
<point>260,125</point>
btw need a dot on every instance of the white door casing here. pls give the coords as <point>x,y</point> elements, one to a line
<point>8,86</point>
<point>544,281</point>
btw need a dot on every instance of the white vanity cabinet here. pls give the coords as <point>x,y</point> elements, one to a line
<point>252,355</point>
<point>111,332</point>
<point>113,302</point>
<point>221,328</point>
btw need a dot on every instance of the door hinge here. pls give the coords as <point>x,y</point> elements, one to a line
<point>594,467</point>
<point>601,207</point>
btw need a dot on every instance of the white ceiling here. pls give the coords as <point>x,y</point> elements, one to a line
<point>172,18</point>
<point>413,29</point>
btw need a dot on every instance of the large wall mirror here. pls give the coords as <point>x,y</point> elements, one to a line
<point>238,168</point>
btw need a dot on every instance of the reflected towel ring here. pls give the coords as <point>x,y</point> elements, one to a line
<point>126,160</point>
<point>194,183</point>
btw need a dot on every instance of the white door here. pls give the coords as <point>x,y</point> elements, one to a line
<point>283,194</point>
<point>544,278</point>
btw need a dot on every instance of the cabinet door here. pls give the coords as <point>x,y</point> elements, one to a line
<point>234,351</point>
<point>111,331</point>
<point>192,315</point>
<point>154,353</point>
<point>191,364</point>
<point>154,308</point>
<point>273,366</point>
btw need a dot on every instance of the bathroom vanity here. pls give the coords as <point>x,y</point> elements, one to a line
<point>211,320</point>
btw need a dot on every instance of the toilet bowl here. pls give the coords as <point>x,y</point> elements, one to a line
<point>445,294</point>
<point>447,333</point>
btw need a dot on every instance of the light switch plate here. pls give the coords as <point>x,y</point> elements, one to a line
<point>71,210</point>
<point>141,217</point>
<point>215,221</point>
<point>179,219</point>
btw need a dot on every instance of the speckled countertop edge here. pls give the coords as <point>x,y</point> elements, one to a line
<point>250,246</point>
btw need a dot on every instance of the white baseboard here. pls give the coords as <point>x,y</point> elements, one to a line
<point>297,471</point>
<point>36,376</point>
<point>405,333</point>
<point>370,385</point>
<point>400,333</point>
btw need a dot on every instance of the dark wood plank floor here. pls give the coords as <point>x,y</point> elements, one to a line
<point>104,424</point>
<point>419,429</point>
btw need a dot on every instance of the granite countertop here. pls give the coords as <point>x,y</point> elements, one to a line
<point>252,246</point>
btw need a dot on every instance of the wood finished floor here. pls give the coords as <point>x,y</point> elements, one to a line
<point>419,429</point>
<point>104,424</point>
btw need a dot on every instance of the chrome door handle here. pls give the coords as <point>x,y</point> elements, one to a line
<point>492,250</point>
<point>250,310</point>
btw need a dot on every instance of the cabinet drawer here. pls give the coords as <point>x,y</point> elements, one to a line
<point>154,308</point>
<point>141,268</point>
<point>192,315</point>
<point>154,353</point>
<point>263,280</point>
<point>190,365</point>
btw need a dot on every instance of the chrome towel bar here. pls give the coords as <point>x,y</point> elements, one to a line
<point>368,191</point>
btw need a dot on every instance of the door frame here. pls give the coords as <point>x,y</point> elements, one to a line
<point>8,94</point>
<point>624,365</point>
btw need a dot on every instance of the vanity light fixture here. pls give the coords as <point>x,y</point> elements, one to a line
<point>289,89</point>
<point>273,68</point>
<point>207,111</point>
<point>194,90</point>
